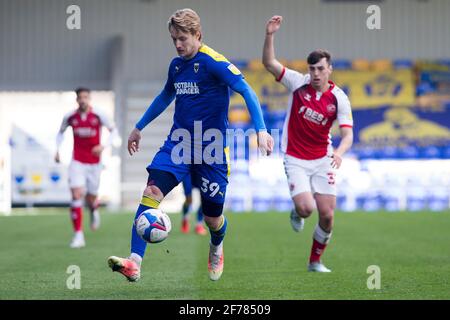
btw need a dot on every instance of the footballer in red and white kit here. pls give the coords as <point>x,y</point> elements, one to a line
<point>85,167</point>
<point>309,159</point>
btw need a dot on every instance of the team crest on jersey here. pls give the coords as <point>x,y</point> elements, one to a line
<point>196,67</point>
<point>94,121</point>
<point>331,108</point>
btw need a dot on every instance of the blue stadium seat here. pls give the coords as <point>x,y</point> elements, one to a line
<point>342,64</point>
<point>409,152</point>
<point>403,63</point>
<point>438,198</point>
<point>416,195</point>
<point>275,119</point>
<point>367,152</point>
<point>445,62</point>
<point>369,202</point>
<point>430,152</point>
<point>390,203</point>
<point>424,88</point>
<point>389,153</point>
<point>446,153</point>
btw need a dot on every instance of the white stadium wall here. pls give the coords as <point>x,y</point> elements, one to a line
<point>38,52</point>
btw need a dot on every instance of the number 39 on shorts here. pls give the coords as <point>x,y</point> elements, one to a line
<point>208,186</point>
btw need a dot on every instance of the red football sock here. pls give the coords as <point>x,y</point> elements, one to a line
<point>76,214</point>
<point>316,251</point>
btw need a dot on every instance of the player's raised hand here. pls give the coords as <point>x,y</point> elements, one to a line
<point>133,141</point>
<point>273,24</point>
<point>265,143</point>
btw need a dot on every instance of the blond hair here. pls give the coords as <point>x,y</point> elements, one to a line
<point>185,20</point>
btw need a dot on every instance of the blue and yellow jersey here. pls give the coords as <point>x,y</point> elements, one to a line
<point>201,86</point>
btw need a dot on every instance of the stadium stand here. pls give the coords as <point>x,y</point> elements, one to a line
<point>402,116</point>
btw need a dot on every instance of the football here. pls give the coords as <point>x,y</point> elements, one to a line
<point>153,225</point>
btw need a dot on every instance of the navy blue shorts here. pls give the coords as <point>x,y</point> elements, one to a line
<point>211,179</point>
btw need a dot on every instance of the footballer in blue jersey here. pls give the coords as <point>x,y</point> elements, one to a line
<point>199,80</point>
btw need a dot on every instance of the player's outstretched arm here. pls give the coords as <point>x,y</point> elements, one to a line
<point>60,137</point>
<point>265,140</point>
<point>161,102</point>
<point>113,138</point>
<point>344,146</point>
<point>268,58</point>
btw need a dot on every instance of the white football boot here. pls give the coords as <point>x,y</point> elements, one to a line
<point>78,240</point>
<point>317,267</point>
<point>297,222</point>
<point>215,261</point>
<point>95,220</point>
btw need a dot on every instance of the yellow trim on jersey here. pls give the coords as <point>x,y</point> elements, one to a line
<point>212,53</point>
<point>149,202</point>
<point>227,156</point>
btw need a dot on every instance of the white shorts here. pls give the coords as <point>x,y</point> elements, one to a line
<point>85,175</point>
<point>315,176</point>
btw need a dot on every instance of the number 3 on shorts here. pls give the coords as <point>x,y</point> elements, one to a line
<point>213,187</point>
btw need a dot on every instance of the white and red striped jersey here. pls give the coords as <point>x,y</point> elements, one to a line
<point>310,115</point>
<point>86,133</point>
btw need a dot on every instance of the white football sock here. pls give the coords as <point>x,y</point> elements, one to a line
<point>136,258</point>
<point>216,248</point>
<point>321,236</point>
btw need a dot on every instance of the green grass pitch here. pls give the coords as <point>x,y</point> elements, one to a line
<point>264,259</point>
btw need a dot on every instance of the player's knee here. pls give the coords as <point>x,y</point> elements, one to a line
<point>77,194</point>
<point>213,222</point>
<point>153,192</point>
<point>91,197</point>
<point>77,197</point>
<point>304,210</point>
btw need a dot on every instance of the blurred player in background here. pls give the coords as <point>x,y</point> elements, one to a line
<point>85,167</point>
<point>199,79</point>
<point>310,161</point>
<point>187,206</point>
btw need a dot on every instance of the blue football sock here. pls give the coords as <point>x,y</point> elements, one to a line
<point>218,235</point>
<point>185,210</point>
<point>200,215</point>
<point>138,245</point>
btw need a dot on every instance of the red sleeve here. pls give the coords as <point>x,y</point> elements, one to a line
<point>281,75</point>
